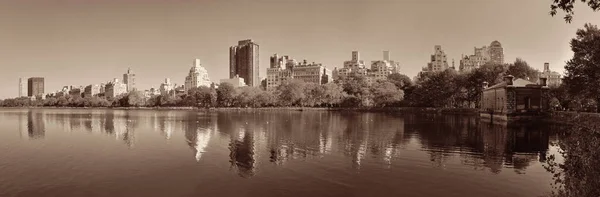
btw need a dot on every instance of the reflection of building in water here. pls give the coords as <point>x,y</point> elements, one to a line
<point>24,125</point>
<point>36,127</point>
<point>198,133</point>
<point>242,155</point>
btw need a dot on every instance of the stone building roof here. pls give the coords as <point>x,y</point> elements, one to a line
<point>516,83</point>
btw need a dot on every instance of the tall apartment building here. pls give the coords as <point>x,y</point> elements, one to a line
<point>129,80</point>
<point>198,76</point>
<point>438,61</point>
<point>22,90</point>
<point>244,62</point>
<point>553,77</point>
<point>284,68</point>
<point>379,69</point>
<point>166,87</point>
<point>91,90</point>
<point>114,89</point>
<point>35,87</point>
<point>496,53</point>
<point>493,54</point>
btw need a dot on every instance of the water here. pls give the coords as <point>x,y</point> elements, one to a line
<point>55,152</point>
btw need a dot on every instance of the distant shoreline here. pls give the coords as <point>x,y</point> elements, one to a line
<point>464,111</point>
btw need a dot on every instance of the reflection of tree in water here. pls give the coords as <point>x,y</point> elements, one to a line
<point>483,145</point>
<point>579,173</point>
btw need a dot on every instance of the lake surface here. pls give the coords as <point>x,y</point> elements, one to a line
<point>82,152</point>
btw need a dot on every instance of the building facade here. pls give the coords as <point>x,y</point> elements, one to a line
<point>35,87</point>
<point>244,62</point>
<point>379,69</point>
<point>496,53</point>
<point>76,92</point>
<point>284,68</point>
<point>91,91</point>
<point>166,87</point>
<point>21,88</point>
<point>129,80</point>
<point>114,89</point>
<point>514,99</point>
<point>235,81</point>
<point>198,76</point>
<point>493,54</point>
<point>438,61</point>
<point>554,79</point>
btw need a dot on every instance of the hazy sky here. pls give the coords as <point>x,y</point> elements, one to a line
<point>82,42</point>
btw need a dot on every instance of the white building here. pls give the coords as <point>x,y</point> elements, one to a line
<point>166,87</point>
<point>379,70</point>
<point>114,89</point>
<point>284,68</point>
<point>438,61</point>
<point>487,54</point>
<point>197,77</point>
<point>235,81</point>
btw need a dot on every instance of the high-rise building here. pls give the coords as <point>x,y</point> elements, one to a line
<point>553,77</point>
<point>496,53</point>
<point>114,89</point>
<point>21,88</point>
<point>438,61</point>
<point>91,90</point>
<point>492,54</point>
<point>244,62</point>
<point>35,87</point>
<point>284,68</point>
<point>380,69</point>
<point>198,76</point>
<point>129,80</point>
<point>166,87</point>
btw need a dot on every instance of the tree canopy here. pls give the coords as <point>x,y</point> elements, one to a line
<point>583,70</point>
<point>568,5</point>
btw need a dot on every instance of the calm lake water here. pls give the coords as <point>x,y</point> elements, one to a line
<point>66,152</point>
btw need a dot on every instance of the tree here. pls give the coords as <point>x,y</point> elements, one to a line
<point>520,69</point>
<point>386,93</point>
<point>473,84</point>
<point>358,93</point>
<point>332,94</point>
<point>247,96</point>
<point>583,70</point>
<point>132,99</point>
<point>203,96</point>
<point>225,94</point>
<point>313,95</point>
<point>435,89</point>
<point>291,92</point>
<point>567,7</point>
<point>401,81</point>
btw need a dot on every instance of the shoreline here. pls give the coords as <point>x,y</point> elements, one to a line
<point>461,111</point>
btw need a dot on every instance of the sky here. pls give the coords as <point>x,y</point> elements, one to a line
<point>82,42</point>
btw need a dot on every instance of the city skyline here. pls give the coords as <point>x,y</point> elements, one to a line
<point>81,43</point>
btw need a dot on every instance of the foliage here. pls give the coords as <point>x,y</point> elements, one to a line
<point>583,70</point>
<point>386,93</point>
<point>401,81</point>
<point>568,5</point>
<point>520,69</point>
<point>226,94</point>
<point>291,92</point>
<point>436,89</point>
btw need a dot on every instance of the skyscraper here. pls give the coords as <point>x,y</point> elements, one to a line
<point>129,80</point>
<point>496,53</point>
<point>21,92</point>
<point>198,76</point>
<point>243,62</point>
<point>35,86</point>
<point>439,61</point>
